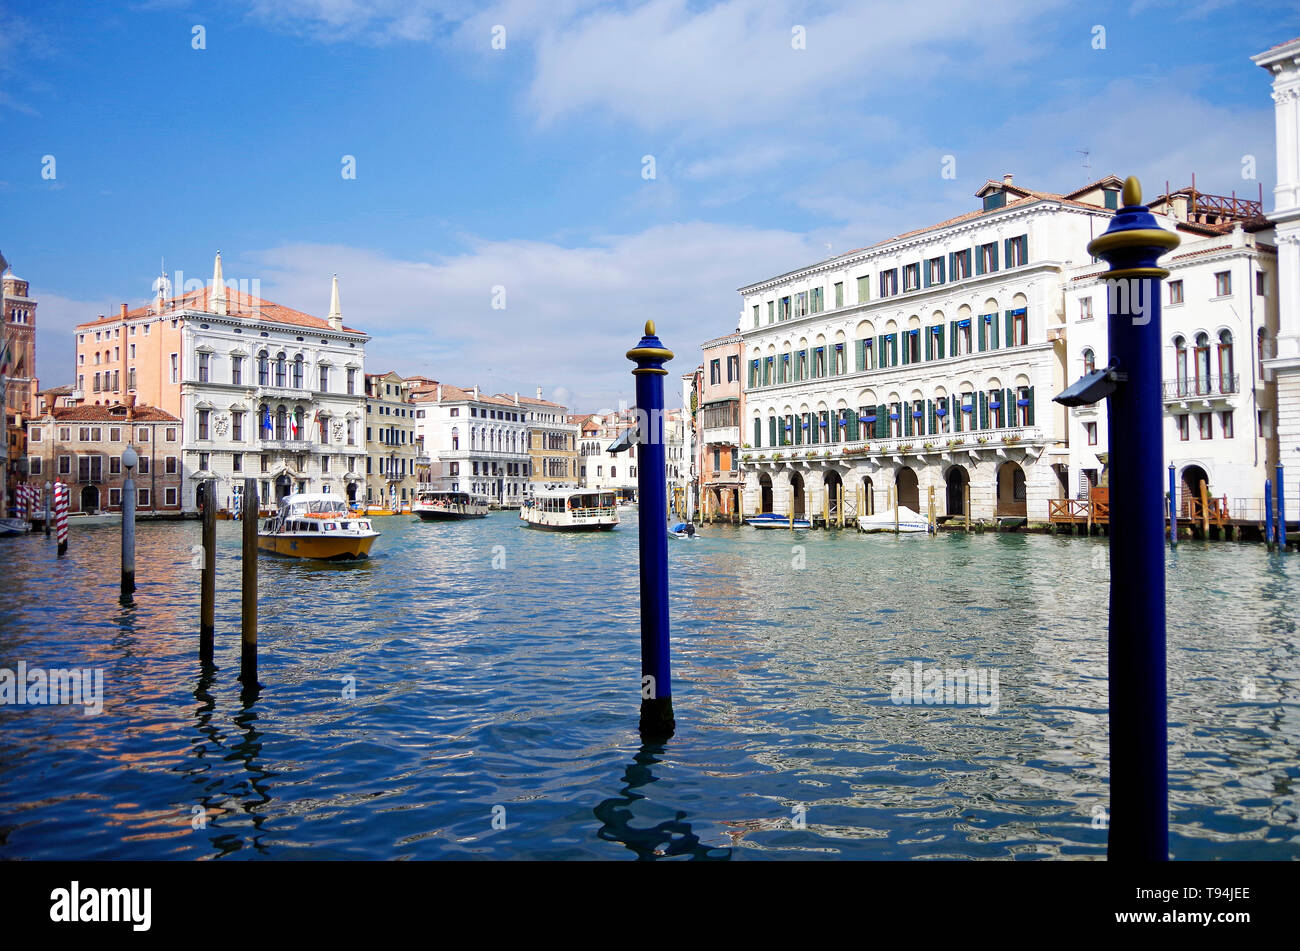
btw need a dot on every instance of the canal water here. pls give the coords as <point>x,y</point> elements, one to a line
<point>472,692</point>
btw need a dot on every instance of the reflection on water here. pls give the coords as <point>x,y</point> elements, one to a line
<point>426,704</point>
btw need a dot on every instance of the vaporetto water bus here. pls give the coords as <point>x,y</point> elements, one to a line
<point>570,510</point>
<point>440,506</point>
<point>316,525</point>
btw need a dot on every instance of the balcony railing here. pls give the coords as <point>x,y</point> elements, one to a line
<point>902,445</point>
<point>1188,389</point>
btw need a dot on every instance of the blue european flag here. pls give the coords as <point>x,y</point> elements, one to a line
<point>266,419</point>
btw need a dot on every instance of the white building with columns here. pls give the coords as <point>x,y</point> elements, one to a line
<point>477,442</point>
<point>924,362</point>
<point>1282,356</point>
<point>272,394</point>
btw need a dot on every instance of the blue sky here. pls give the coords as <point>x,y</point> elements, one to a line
<point>523,167</point>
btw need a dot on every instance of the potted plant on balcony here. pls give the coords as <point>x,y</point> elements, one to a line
<point>905,447</point>
<point>981,439</point>
<point>927,446</point>
<point>1010,440</point>
<point>953,443</point>
<point>777,456</point>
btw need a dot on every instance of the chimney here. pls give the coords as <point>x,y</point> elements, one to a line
<point>476,392</point>
<point>539,392</point>
<point>130,404</point>
<point>336,313</point>
<point>124,311</point>
<point>1006,179</point>
<point>516,397</point>
<point>439,395</point>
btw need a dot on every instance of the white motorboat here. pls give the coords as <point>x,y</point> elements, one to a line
<point>13,526</point>
<point>316,525</point>
<point>776,520</point>
<point>908,521</point>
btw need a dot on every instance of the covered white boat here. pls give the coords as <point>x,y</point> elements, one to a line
<point>570,510</point>
<point>316,525</point>
<point>438,506</point>
<point>908,521</point>
<point>776,520</point>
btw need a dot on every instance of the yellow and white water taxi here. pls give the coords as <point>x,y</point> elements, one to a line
<point>316,525</point>
<point>570,510</point>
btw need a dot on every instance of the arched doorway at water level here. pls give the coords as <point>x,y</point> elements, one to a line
<point>868,496</point>
<point>765,493</point>
<point>909,489</point>
<point>956,480</point>
<point>90,500</point>
<point>797,492</point>
<point>1012,497</point>
<point>834,488</point>
<point>1194,478</point>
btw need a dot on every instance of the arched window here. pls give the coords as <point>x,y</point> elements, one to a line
<point>1227,380</point>
<point>297,372</point>
<point>279,369</point>
<point>1202,356</point>
<point>298,418</point>
<point>455,438</point>
<point>263,415</point>
<point>263,369</point>
<point>281,420</point>
<point>1180,364</point>
<point>1089,361</point>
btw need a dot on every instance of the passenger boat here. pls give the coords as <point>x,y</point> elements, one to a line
<point>449,506</point>
<point>13,526</point>
<point>570,510</point>
<point>315,525</point>
<point>776,520</point>
<point>908,521</point>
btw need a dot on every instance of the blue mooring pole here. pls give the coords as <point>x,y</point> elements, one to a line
<point>1281,511</point>
<point>1268,514</point>
<point>1139,793</point>
<point>1173,510</point>
<point>650,355</point>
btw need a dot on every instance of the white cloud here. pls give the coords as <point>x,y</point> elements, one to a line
<point>571,312</point>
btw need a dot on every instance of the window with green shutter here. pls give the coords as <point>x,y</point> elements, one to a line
<point>758,433</point>
<point>839,294</point>
<point>864,288</point>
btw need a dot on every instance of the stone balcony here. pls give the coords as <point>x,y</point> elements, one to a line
<point>897,448</point>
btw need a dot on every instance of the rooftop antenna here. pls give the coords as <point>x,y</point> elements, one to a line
<point>1085,153</point>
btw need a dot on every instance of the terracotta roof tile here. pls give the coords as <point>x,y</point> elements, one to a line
<point>237,305</point>
<point>106,413</point>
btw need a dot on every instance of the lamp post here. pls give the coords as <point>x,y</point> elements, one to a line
<point>1134,242</point>
<point>129,460</point>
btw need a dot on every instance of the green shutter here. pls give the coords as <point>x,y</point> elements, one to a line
<point>994,252</point>
<point>929,344</point>
<point>931,419</point>
<point>906,414</point>
<point>1030,414</point>
<point>984,410</point>
<point>952,339</point>
<point>907,350</point>
<point>882,359</point>
<point>956,412</point>
<point>979,261</point>
<point>1011,335</point>
<point>943,276</point>
<point>993,326</point>
<point>862,354</point>
<point>982,335</point>
<point>1008,405</point>
<point>938,344</point>
<point>758,433</point>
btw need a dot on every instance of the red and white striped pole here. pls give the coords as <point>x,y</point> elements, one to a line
<point>61,516</point>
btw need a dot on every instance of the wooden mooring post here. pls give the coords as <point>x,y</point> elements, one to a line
<point>1139,792</point>
<point>208,573</point>
<point>248,592</point>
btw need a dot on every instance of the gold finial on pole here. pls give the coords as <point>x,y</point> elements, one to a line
<point>1132,191</point>
<point>649,328</point>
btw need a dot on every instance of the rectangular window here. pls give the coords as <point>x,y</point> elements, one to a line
<point>170,465</point>
<point>1017,251</point>
<point>987,262</point>
<point>34,465</point>
<point>176,368</point>
<point>352,381</point>
<point>889,282</point>
<point>114,498</point>
<point>324,379</point>
<point>171,433</point>
<point>801,304</point>
<point>755,315</point>
<point>817,300</point>
<point>144,465</point>
<point>324,463</point>
<point>935,275</point>
<point>1225,421</point>
<point>142,498</point>
<point>733,368</point>
<point>237,427</point>
<point>771,311</point>
<point>1183,428</point>
<point>839,292</point>
<point>715,372</point>
<point>911,277</point>
<point>204,360</point>
<point>1085,308</point>
<point>1175,292</point>
<point>236,370</point>
<point>65,465</point>
<point>204,415</point>
<point>1205,425</point>
<point>1223,284</point>
<point>114,434</point>
<point>1260,283</point>
<point>203,461</point>
<point>169,495</point>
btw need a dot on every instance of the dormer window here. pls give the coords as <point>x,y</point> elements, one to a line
<point>995,199</point>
